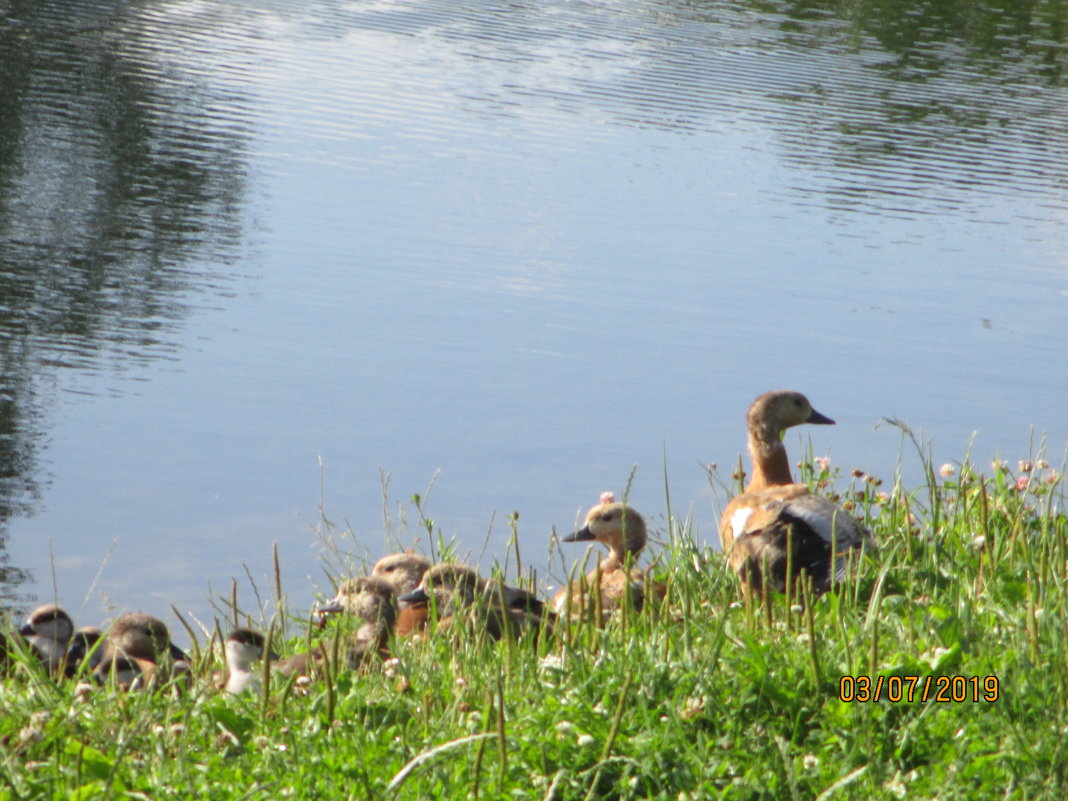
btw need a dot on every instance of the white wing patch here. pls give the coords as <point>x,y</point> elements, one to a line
<point>739,519</point>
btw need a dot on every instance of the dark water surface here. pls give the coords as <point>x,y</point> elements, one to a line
<point>254,256</point>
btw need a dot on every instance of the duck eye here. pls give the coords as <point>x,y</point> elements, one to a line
<point>606,516</point>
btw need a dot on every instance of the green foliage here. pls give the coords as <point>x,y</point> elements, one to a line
<point>711,698</point>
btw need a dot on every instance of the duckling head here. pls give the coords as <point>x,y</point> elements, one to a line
<point>403,571</point>
<point>616,525</point>
<point>773,412</point>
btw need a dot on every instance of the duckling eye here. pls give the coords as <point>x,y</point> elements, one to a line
<point>797,403</point>
<point>607,516</point>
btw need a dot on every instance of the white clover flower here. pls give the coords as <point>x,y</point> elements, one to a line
<point>585,739</point>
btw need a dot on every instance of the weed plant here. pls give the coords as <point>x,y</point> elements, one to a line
<point>705,698</point>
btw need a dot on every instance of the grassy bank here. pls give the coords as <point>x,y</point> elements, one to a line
<point>713,699</point>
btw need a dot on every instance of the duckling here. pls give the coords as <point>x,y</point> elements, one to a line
<point>86,648</point>
<point>243,647</point>
<point>623,530</point>
<point>777,527</point>
<point>462,596</point>
<point>48,630</point>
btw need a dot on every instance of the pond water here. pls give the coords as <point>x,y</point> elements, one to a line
<point>265,263</point>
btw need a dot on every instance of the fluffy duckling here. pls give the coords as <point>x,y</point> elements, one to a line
<point>243,648</point>
<point>48,630</point>
<point>461,596</point>
<point>777,527</point>
<point>623,530</point>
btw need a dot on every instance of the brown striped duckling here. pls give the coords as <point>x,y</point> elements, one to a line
<point>777,527</point>
<point>616,579</point>
<point>462,597</point>
<point>48,630</point>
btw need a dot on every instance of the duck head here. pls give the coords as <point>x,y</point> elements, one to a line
<point>449,583</point>
<point>143,636</point>
<point>403,571</point>
<point>768,418</point>
<point>369,597</point>
<point>616,525</point>
<point>48,630</point>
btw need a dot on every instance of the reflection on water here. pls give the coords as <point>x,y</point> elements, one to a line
<point>118,195</point>
<point>448,217</point>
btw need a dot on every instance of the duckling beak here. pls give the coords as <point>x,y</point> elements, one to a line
<point>177,654</point>
<point>28,630</point>
<point>416,596</point>
<point>582,535</point>
<point>819,419</point>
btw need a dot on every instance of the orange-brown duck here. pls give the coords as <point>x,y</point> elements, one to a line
<point>776,528</point>
<point>616,580</point>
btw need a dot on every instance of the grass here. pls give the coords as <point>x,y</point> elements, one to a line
<point>711,699</point>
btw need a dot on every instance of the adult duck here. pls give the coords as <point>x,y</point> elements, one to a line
<point>138,638</point>
<point>616,580</point>
<point>461,597</point>
<point>776,529</point>
<point>374,601</point>
<point>404,571</point>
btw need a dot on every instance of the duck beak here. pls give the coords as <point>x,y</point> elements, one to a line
<point>27,630</point>
<point>332,608</point>
<point>177,654</point>
<point>416,596</point>
<point>582,535</point>
<point>819,419</point>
